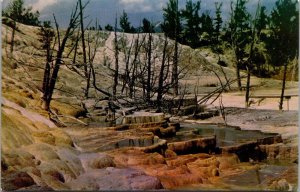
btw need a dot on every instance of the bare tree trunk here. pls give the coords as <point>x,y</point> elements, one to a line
<point>225,76</point>
<point>249,62</point>
<point>127,60</point>
<point>132,81</point>
<point>116,61</point>
<point>283,87</point>
<point>235,44</point>
<point>12,42</point>
<point>75,50</point>
<point>222,110</point>
<point>91,58</point>
<point>134,66</point>
<point>47,96</point>
<point>161,77</point>
<point>149,55</point>
<point>175,60</point>
<point>53,78</point>
<point>238,76</point>
<point>95,85</point>
<point>45,85</point>
<point>175,70</point>
<point>85,65</point>
<point>247,87</point>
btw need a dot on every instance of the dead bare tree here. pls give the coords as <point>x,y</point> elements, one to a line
<point>127,55</point>
<point>91,53</point>
<point>222,110</point>
<point>218,91</point>
<point>47,35</point>
<point>161,75</point>
<point>149,67</point>
<point>52,77</point>
<point>85,64</point>
<point>223,72</point>
<point>116,75</point>
<point>175,59</point>
<point>181,99</point>
<point>196,90</point>
<point>132,77</point>
<point>131,60</point>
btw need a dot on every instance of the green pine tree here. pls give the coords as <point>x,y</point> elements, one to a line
<point>283,42</point>
<point>191,30</point>
<point>218,21</point>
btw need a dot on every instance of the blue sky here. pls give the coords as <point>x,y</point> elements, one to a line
<point>106,10</point>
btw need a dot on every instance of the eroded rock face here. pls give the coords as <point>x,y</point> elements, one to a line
<point>17,180</point>
<point>54,137</point>
<point>134,157</point>
<point>227,161</point>
<point>96,161</point>
<point>287,181</point>
<point>168,132</point>
<point>143,117</point>
<point>200,145</point>
<point>35,152</point>
<point>279,151</point>
<point>115,179</point>
<point>105,139</point>
<point>173,171</point>
<point>281,185</point>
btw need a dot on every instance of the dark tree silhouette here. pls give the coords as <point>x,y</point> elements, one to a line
<point>262,20</point>
<point>171,25</point>
<point>116,47</point>
<point>239,33</point>
<point>191,30</point>
<point>283,42</point>
<point>46,35</point>
<point>125,24</point>
<point>147,26</point>
<point>85,63</point>
<point>108,27</point>
<point>218,21</point>
<point>207,28</point>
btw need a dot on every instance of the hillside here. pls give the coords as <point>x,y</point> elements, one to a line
<point>26,69</point>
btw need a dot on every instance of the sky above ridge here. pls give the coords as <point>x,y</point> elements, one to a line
<point>106,10</point>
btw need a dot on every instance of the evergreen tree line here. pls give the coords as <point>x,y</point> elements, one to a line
<point>275,34</point>
<point>274,31</point>
<point>18,12</point>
